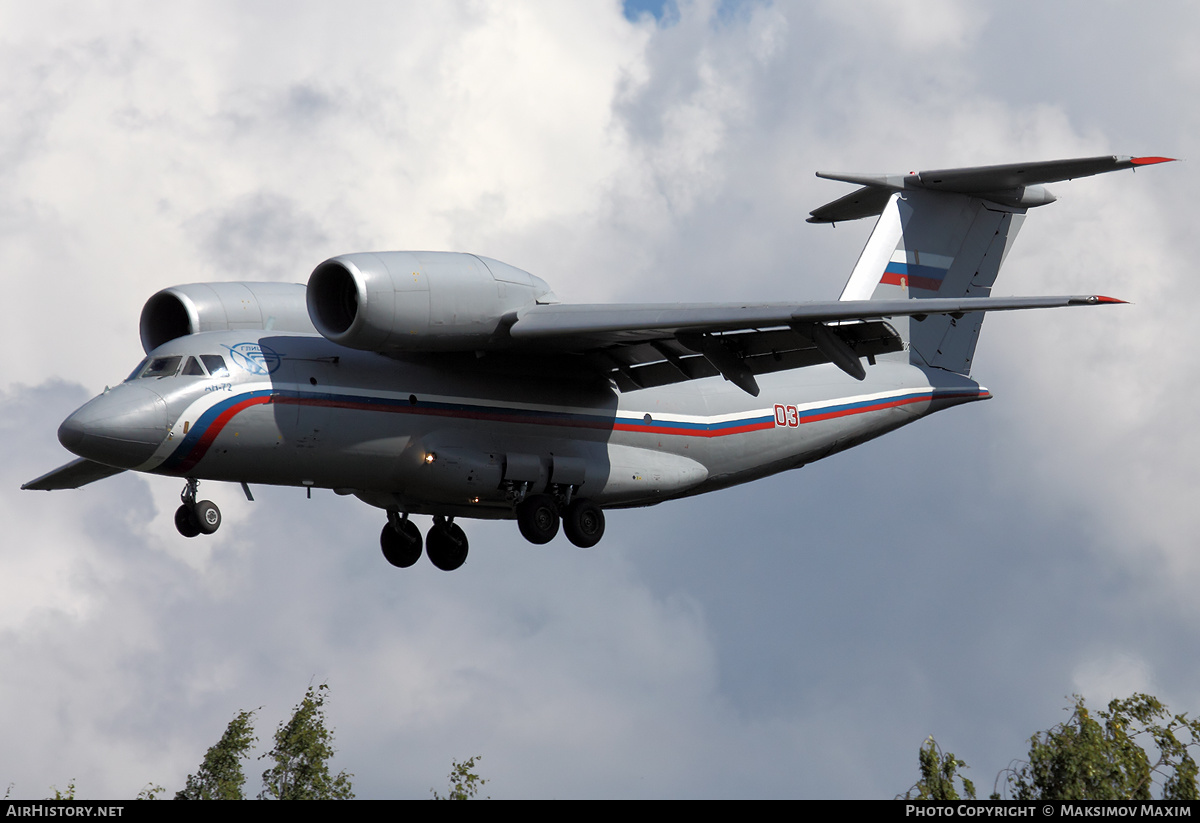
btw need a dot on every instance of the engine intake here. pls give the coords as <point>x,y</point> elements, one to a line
<point>199,307</point>
<point>418,301</point>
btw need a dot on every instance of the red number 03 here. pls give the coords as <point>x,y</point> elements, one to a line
<point>786,416</point>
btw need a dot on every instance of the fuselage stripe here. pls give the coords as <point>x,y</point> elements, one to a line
<point>197,442</point>
<point>210,424</point>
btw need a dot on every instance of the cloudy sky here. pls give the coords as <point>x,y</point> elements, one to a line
<point>800,636</point>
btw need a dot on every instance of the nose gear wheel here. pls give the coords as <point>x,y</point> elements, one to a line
<point>192,517</point>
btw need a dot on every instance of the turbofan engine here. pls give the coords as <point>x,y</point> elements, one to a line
<point>418,301</point>
<point>198,307</point>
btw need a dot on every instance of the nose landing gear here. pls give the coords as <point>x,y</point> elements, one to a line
<point>193,518</point>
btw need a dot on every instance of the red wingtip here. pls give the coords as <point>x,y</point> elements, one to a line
<point>1149,161</point>
<point>1102,299</point>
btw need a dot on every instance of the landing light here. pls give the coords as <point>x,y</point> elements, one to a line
<point>430,457</point>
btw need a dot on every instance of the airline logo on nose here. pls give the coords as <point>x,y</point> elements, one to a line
<point>254,358</point>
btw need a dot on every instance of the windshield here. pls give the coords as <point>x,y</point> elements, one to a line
<point>213,365</point>
<point>157,367</point>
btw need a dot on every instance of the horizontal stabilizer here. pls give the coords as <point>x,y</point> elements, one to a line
<point>1013,184</point>
<point>71,476</point>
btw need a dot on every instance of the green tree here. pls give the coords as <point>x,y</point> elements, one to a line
<point>464,783</point>
<point>220,776</point>
<point>303,748</point>
<point>938,772</point>
<point>69,794</point>
<point>1105,757</point>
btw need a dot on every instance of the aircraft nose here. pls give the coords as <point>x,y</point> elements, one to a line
<point>121,427</point>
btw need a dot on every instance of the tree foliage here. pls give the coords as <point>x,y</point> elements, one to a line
<point>1106,757</point>
<point>220,775</point>
<point>464,783</point>
<point>303,748</point>
<point>938,772</point>
<point>69,794</point>
<point>1126,752</point>
<point>302,751</point>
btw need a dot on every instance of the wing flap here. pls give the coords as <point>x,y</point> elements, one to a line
<point>71,476</point>
<point>663,363</point>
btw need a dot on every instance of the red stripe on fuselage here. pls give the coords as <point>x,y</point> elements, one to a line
<point>641,428</point>
<point>214,429</point>
<point>883,404</point>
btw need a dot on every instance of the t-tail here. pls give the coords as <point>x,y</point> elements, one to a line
<point>945,234</point>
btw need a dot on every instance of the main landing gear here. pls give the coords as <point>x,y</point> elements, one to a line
<point>193,518</point>
<point>446,543</point>
<point>538,518</point>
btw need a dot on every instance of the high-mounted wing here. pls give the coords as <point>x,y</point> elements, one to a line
<point>923,284</point>
<point>936,251</point>
<point>646,345</point>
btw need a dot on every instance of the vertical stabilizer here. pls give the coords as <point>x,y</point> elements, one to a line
<point>935,244</point>
<point>945,233</point>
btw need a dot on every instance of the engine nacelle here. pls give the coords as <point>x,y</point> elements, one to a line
<point>417,301</point>
<point>198,307</point>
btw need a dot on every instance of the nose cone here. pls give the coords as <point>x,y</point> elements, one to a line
<point>121,427</point>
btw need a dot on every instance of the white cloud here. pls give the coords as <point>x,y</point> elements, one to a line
<point>997,558</point>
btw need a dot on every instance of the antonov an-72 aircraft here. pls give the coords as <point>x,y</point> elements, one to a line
<point>457,386</point>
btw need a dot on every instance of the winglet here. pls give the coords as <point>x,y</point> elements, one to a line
<point>1095,300</point>
<point>1149,161</point>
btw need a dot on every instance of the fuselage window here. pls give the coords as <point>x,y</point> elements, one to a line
<point>216,365</point>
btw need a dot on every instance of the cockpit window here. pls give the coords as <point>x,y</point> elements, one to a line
<point>133,375</point>
<point>160,367</point>
<point>216,365</point>
<point>192,368</point>
<point>213,364</point>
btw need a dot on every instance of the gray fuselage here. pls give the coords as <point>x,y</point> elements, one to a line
<point>451,434</point>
